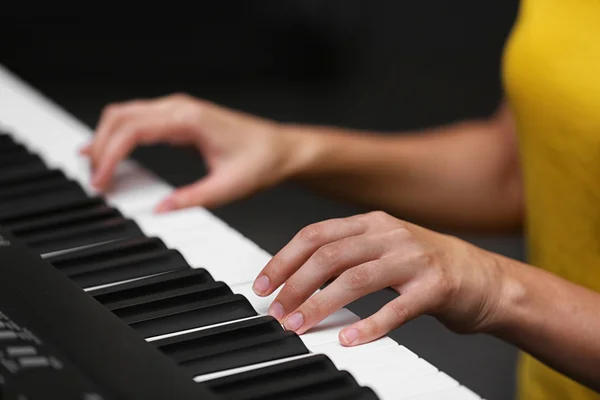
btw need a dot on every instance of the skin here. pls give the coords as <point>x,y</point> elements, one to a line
<point>462,176</point>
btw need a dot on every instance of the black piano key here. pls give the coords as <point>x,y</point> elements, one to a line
<point>232,345</point>
<point>151,286</point>
<point>304,378</point>
<point>190,309</point>
<point>361,393</point>
<point>63,188</point>
<point>49,222</point>
<point>5,138</point>
<point>19,159</point>
<point>54,183</point>
<point>12,147</point>
<point>50,205</point>
<point>84,233</point>
<point>141,300</point>
<point>122,260</point>
<point>23,173</point>
<point>26,176</point>
<point>65,223</point>
<point>46,203</point>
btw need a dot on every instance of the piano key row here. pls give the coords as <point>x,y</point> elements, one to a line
<point>206,327</point>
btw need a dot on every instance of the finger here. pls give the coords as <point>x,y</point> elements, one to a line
<point>216,189</point>
<point>110,121</point>
<point>351,285</point>
<point>85,150</point>
<point>397,312</point>
<point>301,247</point>
<point>144,130</point>
<point>327,261</point>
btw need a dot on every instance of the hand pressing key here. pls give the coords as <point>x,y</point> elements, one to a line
<point>244,153</point>
<point>434,273</point>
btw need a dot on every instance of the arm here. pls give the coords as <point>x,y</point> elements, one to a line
<point>554,320</point>
<point>464,175</point>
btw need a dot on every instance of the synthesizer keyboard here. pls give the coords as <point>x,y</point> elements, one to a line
<point>127,304</point>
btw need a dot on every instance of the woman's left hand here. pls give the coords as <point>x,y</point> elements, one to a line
<point>435,274</point>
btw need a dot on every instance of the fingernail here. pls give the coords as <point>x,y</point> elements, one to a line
<point>294,321</point>
<point>276,311</point>
<point>261,285</point>
<point>166,205</point>
<point>349,335</point>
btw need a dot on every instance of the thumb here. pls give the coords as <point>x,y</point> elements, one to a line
<point>209,192</point>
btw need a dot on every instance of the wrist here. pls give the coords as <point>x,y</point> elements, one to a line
<point>307,150</point>
<point>328,151</point>
<point>513,296</point>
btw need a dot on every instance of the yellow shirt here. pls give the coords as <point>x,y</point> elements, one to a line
<point>551,73</point>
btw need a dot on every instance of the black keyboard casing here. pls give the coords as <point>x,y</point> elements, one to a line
<point>97,353</point>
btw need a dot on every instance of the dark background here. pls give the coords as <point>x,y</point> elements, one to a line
<point>388,66</point>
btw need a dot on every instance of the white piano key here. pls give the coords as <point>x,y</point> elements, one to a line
<point>327,330</point>
<point>187,223</point>
<point>234,266</point>
<point>354,351</point>
<point>367,364</point>
<point>391,385</point>
<point>138,195</point>
<point>371,356</point>
<point>404,367</point>
<point>455,393</point>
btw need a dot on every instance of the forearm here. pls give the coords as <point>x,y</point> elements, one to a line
<point>460,176</point>
<point>552,319</point>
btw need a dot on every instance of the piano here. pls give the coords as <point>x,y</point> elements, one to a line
<point>102,299</point>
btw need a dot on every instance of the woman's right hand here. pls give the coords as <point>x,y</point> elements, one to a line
<point>243,153</point>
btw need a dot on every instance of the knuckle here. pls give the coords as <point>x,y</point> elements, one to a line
<point>312,308</point>
<point>186,196</point>
<point>180,97</point>
<point>399,311</point>
<point>184,109</point>
<point>292,290</point>
<point>111,110</point>
<point>132,133</point>
<point>401,233</point>
<point>422,256</point>
<point>312,234</point>
<point>378,219</point>
<point>358,278</point>
<point>276,265</point>
<point>379,215</point>
<point>443,283</point>
<point>329,255</point>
